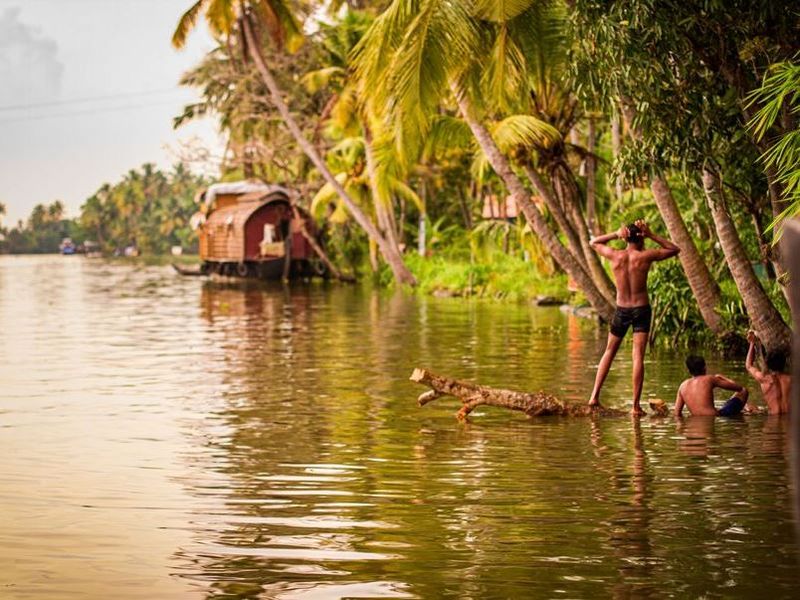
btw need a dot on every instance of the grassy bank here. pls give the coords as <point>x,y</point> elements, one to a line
<point>500,277</point>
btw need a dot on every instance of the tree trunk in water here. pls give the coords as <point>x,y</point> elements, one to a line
<point>591,172</point>
<point>705,289</point>
<point>472,395</point>
<point>393,258</point>
<point>503,168</point>
<point>766,320</point>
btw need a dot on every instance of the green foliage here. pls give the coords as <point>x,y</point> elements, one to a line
<point>149,209</point>
<point>42,233</point>
<point>779,97</point>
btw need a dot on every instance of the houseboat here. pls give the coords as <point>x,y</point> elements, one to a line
<point>251,229</point>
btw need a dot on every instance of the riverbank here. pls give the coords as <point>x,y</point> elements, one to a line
<point>503,278</point>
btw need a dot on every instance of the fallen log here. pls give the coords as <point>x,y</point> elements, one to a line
<point>472,395</point>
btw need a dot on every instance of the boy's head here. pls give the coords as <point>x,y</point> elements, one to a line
<point>696,365</point>
<point>635,235</point>
<point>776,361</point>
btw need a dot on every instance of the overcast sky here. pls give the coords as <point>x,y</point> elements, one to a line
<point>88,90</point>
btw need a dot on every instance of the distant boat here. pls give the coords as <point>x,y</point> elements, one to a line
<point>67,246</point>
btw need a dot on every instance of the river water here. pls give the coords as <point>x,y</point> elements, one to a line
<point>165,438</point>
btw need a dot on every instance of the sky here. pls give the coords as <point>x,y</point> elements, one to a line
<point>88,91</point>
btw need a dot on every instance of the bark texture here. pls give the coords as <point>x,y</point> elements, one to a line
<point>560,254</point>
<point>472,395</point>
<point>766,320</point>
<point>705,289</point>
<point>393,258</point>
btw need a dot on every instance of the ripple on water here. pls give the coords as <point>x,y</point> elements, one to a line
<point>169,438</point>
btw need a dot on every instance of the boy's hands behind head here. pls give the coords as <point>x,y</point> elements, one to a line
<point>642,224</point>
<point>623,233</point>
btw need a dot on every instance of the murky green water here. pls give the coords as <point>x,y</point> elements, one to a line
<point>168,438</point>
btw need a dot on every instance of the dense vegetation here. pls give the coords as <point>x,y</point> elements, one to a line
<point>401,121</point>
<point>148,210</point>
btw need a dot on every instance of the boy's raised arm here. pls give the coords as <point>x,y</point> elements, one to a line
<point>749,362</point>
<point>600,242</point>
<point>668,248</point>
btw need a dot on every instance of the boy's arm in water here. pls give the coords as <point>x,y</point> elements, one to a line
<point>667,250</point>
<point>679,403</point>
<point>723,382</point>
<point>600,242</point>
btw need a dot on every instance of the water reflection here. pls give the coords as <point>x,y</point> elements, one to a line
<point>263,442</point>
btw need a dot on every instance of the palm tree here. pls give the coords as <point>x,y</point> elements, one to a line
<point>249,18</point>
<point>416,51</point>
<point>767,321</point>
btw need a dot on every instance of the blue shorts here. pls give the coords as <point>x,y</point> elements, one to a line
<point>731,408</point>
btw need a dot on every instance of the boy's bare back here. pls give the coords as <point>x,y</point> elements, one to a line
<point>774,390</point>
<point>697,393</point>
<point>775,385</point>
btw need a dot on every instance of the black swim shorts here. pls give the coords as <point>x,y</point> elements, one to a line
<point>625,316</point>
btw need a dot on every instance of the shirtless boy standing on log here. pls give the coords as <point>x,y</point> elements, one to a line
<point>774,382</point>
<point>630,267</point>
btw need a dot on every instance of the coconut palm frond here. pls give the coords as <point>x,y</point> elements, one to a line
<point>402,190</point>
<point>325,196</point>
<point>505,78</point>
<point>220,16</point>
<point>448,133</point>
<point>186,23</point>
<point>319,79</point>
<point>524,130</point>
<point>500,10</point>
<point>284,28</point>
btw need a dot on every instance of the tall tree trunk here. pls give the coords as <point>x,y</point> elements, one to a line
<point>616,147</point>
<point>390,253</point>
<point>554,206</point>
<point>502,167</point>
<point>705,289</point>
<point>580,248</point>
<point>591,173</point>
<point>569,199</point>
<point>767,321</point>
<point>385,222</point>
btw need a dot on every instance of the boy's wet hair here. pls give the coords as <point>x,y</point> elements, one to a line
<point>635,235</point>
<point>696,364</point>
<point>776,361</point>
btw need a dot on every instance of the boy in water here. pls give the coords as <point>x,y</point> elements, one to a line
<point>697,392</point>
<point>630,267</point>
<point>774,382</point>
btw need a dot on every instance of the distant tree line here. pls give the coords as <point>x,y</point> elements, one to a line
<point>149,209</point>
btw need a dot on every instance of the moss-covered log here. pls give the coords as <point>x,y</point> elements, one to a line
<point>472,395</point>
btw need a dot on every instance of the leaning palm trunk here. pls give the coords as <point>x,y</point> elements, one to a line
<point>705,289</point>
<point>382,211</point>
<point>569,189</point>
<point>560,254</point>
<point>767,321</point>
<point>389,252</point>
<point>591,182</point>
<point>579,247</point>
